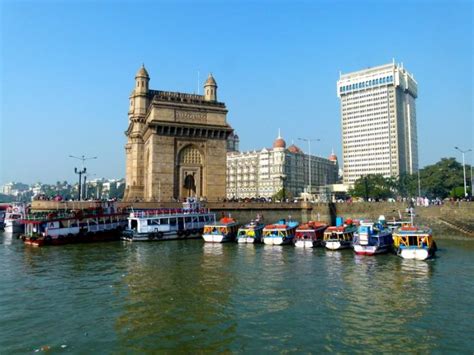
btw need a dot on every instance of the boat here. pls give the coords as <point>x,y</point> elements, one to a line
<point>252,232</point>
<point>373,238</point>
<point>225,230</point>
<point>13,218</point>
<point>3,211</point>
<point>103,222</point>
<point>414,242</point>
<point>340,237</point>
<point>280,233</point>
<point>310,234</point>
<point>168,223</point>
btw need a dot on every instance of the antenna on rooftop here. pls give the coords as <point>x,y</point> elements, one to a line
<point>198,82</point>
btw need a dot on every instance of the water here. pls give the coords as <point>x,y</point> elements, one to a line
<point>188,296</point>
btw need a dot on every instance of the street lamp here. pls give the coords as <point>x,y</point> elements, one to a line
<point>464,167</point>
<point>81,171</point>
<point>309,140</point>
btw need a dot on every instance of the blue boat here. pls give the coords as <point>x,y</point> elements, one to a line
<point>372,238</point>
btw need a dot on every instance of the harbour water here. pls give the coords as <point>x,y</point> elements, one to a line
<point>188,296</point>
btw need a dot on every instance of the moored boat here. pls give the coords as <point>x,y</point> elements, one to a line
<point>14,217</point>
<point>414,242</point>
<point>168,223</point>
<point>280,233</point>
<point>309,235</point>
<point>225,230</point>
<point>102,223</point>
<point>340,237</point>
<point>3,211</point>
<point>252,232</point>
<point>372,238</point>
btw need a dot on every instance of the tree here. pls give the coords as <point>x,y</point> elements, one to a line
<point>280,195</point>
<point>374,186</point>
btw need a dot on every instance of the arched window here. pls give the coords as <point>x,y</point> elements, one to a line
<point>190,155</point>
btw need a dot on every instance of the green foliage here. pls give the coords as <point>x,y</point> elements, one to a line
<point>280,195</point>
<point>443,179</point>
<point>373,186</point>
<point>457,192</point>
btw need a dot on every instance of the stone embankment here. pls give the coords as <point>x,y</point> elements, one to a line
<point>450,217</point>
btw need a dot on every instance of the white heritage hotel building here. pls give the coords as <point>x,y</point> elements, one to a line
<point>378,122</point>
<point>264,173</point>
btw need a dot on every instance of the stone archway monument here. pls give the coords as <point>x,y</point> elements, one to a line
<point>189,170</point>
<point>184,137</point>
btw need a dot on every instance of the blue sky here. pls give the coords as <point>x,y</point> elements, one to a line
<point>67,69</point>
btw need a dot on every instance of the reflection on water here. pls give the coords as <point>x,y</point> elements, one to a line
<point>191,296</point>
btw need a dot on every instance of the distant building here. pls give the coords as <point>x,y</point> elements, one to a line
<point>176,143</point>
<point>379,134</point>
<point>264,173</point>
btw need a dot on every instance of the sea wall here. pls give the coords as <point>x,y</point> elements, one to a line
<point>457,213</point>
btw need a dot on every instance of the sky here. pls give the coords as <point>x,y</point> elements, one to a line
<point>68,67</point>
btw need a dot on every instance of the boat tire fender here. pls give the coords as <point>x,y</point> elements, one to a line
<point>160,235</point>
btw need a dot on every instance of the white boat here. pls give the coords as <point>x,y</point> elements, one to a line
<point>220,232</point>
<point>251,233</point>
<point>414,242</point>
<point>169,223</point>
<point>14,217</point>
<point>340,237</point>
<point>104,222</point>
<point>280,233</point>
<point>310,235</point>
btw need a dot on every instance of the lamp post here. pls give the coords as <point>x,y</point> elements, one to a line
<point>309,140</point>
<point>463,167</point>
<point>80,172</point>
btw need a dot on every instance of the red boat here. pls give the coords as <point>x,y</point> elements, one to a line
<point>310,234</point>
<point>103,223</point>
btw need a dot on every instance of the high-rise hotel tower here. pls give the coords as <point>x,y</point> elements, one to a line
<point>378,122</point>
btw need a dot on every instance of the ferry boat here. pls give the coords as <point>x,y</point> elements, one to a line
<point>373,238</point>
<point>168,223</point>
<point>251,232</point>
<point>414,242</point>
<point>310,234</point>
<point>280,233</point>
<point>13,218</point>
<point>3,211</point>
<point>340,237</point>
<point>220,232</point>
<point>101,223</point>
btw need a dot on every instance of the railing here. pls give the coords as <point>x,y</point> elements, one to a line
<point>167,212</point>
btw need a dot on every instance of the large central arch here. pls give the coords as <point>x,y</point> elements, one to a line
<point>189,171</point>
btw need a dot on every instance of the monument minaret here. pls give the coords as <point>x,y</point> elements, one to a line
<point>134,146</point>
<point>210,89</point>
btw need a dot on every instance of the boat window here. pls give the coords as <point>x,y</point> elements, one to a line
<point>172,221</point>
<point>164,221</point>
<point>201,219</point>
<point>187,219</point>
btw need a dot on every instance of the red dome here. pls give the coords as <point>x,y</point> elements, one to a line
<point>294,149</point>
<point>333,157</point>
<point>279,143</point>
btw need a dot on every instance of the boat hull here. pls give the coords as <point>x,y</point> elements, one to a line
<point>247,240</point>
<point>153,237</point>
<point>337,245</point>
<point>13,227</point>
<point>216,238</point>
<point>415,253</point>
<point>304,244</point>
<point>276,241</point>
<point>104,236</point>
<point>370,249</point>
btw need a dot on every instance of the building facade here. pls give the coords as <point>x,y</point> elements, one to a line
<point>264,173</point>
<point>378,114</point>
<point>176,143</point>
